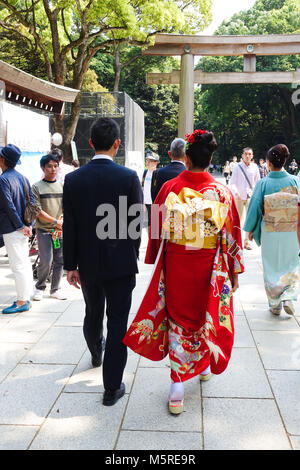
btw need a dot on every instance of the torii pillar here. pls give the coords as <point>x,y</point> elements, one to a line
<point>186,95</point>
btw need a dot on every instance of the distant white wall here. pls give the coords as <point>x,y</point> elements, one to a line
<point>29,131</point>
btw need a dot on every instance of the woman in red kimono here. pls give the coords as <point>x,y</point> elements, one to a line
<point>195,243</point>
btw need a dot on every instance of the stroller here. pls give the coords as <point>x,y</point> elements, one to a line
<point>33,251</point>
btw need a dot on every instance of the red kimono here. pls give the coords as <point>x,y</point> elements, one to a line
<point>187,311</point>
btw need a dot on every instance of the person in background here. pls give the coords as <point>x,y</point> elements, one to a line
<point>244,177</point>
<point>152,160</point>
<point>233,164</point>
<point>273,221</point>
<point>75,164</point>
<point>48,195</point>
<point>293,167</point>
<point>262,167</point>
<point>227,171</point>
<point>13,228</point>
<point>63,168</point>
<point>177,166</point>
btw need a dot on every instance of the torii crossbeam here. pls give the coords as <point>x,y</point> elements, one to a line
<point>188,46</point>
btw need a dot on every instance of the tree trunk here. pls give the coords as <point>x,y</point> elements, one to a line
<point>117,69</point>
<point>68,129</point>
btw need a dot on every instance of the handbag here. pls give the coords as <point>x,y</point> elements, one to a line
<point>32,210</point>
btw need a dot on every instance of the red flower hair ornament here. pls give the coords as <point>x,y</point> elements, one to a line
<point>191,138</point>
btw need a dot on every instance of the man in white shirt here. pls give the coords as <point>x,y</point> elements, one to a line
<point>152,160</point>
<point>244,177</point>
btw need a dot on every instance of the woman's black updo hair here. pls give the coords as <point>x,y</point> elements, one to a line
<point>278,155</point>
<point>201,150</point>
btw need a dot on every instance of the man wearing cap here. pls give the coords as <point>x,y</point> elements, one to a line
<point>177,166</point>
<point>13,228</point>
<point>152,160</point>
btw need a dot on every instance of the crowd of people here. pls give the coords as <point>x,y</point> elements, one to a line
<point>89,223</point>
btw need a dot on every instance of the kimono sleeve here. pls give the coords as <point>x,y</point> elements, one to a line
<point>158,211</point>
<point>234,241</point>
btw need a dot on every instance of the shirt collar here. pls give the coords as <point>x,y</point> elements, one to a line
<point>177,161</point>
<point>104,157</point>
<point>278,174</point>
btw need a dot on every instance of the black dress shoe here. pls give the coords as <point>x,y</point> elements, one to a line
<point>111,397</point>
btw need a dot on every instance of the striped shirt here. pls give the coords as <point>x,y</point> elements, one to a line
<point>48,196</point>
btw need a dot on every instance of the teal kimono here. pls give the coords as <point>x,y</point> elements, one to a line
<point>273,218</point>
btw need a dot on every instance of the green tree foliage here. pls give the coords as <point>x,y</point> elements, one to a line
<point>68,33</point>
<point>253,115</point>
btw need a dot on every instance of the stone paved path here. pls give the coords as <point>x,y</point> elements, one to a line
<point>50,397</point>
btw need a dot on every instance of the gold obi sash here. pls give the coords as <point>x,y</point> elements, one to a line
<point>192,220</point>
<point>281,210</point>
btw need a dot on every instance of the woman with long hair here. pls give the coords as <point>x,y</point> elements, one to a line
<point>195,243</point>
<point>273,220</point>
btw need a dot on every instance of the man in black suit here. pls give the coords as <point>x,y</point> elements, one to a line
<point>159,177</point>
<point>103,204</point>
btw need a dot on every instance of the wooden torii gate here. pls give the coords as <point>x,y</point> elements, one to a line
<point>188,46</point>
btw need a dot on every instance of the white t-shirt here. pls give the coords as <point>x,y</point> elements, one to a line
<point>147,187</point>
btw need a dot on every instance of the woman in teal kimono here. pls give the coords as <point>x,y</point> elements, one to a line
<point>272,221</point>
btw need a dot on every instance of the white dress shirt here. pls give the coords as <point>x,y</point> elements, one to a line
<point>100,155</point>
<point>238,183</point>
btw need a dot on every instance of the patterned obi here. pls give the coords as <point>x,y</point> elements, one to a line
<point>193,221</point>
<point>281,210</point>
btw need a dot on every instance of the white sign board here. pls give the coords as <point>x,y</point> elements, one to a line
<point>135,161</point>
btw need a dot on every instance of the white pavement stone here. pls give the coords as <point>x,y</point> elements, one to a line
<point>260,318</point>
<point>279,349</point>
<point>241,424</point>
<point>27,328</point>
<point>16,437</point>
<point>286,388</point>
<point>244,378</point>
<point>295,442</point>
<point>143,440</point>
<point>242,336</point>
<point>10,355</point>
<point>29,392</point>
<point>148,405</point>
<point>73,315</point>
<point>59,345</point>
<point>79,421</point>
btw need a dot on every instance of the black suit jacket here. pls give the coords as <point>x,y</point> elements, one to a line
<point>159,177</point>
<point>93,193</point>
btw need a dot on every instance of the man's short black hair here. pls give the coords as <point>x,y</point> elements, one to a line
<point>104,132</point>
<point>48,158</point>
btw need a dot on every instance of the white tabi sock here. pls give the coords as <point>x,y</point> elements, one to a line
<point>176,391</point>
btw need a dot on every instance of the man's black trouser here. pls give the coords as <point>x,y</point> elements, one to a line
<point>117,293</point>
